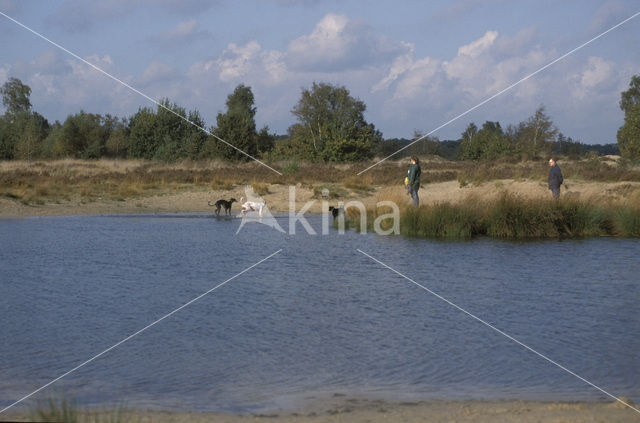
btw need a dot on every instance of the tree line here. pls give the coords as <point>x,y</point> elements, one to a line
<point>330,127</point>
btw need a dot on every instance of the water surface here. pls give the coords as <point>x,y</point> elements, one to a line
<point>316,319</point>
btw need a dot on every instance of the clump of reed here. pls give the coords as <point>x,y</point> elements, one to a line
<point>513,217</point>
<point>59,409</point>
<point>508,217</point>
<point>443,221</point>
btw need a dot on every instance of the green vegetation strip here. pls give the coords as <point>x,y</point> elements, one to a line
<point>512,218</point>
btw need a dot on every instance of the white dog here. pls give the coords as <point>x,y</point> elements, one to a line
<point>252,206</point>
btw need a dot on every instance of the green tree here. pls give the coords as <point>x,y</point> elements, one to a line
<point>170,131</point>
<point>488,143</point>
<point>83,135</point>
<point>331,125</point>
<point>193,138</point>
<point>567,146</point>
<point>265,140</point>
<point>142,130</point>
<point>118,142</point>
<point>7,141</point>
<point>31,129</point>
<point>387,147</point>
<point>629,132</point>
<point>536,135</point>
<point>15,96</point>
<point>426,146</point>
<point>237,126</point>
<point>21,130</point>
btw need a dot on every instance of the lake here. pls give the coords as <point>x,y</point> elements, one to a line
<point>317,319</point>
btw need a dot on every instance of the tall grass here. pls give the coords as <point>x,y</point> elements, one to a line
<point>443,221</point>
<point>511,217</point>
<point>59,409</point>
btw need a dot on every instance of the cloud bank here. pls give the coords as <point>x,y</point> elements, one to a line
<point>404,91</point>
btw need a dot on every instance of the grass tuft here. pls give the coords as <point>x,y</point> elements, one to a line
<point>59,409</point>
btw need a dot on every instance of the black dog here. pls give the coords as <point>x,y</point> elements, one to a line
<point>223,203</point>
<point>335,211</point>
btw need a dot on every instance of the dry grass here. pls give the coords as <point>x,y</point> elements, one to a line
<point>59,180</point>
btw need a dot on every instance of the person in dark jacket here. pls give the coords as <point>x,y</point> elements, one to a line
<point>414,179</point>
<point>555,178</point>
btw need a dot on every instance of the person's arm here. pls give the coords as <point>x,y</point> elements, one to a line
<point>560,179</point>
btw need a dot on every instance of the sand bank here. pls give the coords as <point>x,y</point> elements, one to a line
<point>278,198</point>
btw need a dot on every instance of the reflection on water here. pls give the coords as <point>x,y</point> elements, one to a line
<point>317,318</point>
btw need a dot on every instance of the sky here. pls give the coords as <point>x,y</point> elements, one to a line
<point>415,64</point>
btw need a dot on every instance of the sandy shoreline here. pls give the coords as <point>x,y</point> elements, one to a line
<point>362,411</point>
<point>278,198</point>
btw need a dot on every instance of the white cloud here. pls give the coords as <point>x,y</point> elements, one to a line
<point>338,44</point>
<point>595,76</point>
<point>61,85</point>
<point>403,91</point>
<point>480,69</point>
<point>598,71</point>
<point>326,44</point>
<point>236,61</point>
<point>479,46</point>
<point>399,66</point>
<point>239,63</point>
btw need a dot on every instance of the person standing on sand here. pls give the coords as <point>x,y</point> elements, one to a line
<point>555,178</point>
<point>414,179</point>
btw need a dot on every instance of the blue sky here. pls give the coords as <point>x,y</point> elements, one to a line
<point>415,64</point>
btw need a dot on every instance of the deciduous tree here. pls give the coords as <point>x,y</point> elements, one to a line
<point>237,126</point>
<point>488,143</point>
<point>331,125</point>
<point>15,96</point>
<point>629,132</point>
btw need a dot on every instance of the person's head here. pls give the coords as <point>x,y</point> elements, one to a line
<point>552,162</point>
<point>415,160</point>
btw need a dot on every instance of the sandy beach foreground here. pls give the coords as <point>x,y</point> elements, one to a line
<point>362,411</point>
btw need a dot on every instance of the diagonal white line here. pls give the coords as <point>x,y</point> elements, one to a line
<point>136,91</point>
<point>503,91</point>
<point>138,332</point>
<point>498,330</point>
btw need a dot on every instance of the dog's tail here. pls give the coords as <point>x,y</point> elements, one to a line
<point>209,203</point>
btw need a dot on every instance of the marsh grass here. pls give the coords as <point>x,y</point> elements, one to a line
<point>59,409</point>
<point>510,217</point>
<point>442,221</point>
<point>626,222</point>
